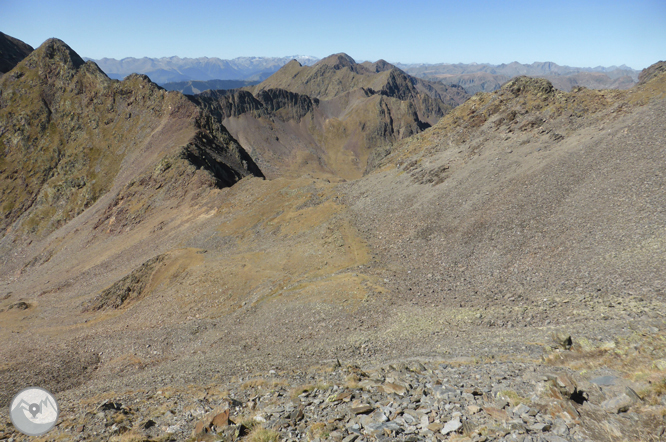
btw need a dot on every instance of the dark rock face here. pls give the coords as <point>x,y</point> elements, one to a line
<point>227,160</point>
<point>276,99</point>
<point>264,103</point>
<point>398,85</point>
<point>12,51</point>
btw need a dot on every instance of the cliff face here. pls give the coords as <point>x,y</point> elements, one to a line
<point>67,131</point>
<point>266,102</point>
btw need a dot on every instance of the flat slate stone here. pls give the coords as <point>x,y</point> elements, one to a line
<point>362,409</point>
<point>604,380</point>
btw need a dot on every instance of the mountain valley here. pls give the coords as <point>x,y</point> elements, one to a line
<point>342,251</point>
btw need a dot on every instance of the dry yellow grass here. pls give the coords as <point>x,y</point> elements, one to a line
<point>317,430</point>
<point>260,434</point>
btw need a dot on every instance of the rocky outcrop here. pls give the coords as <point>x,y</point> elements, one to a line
<point>526,85</point>
<point>125,290</point>
<point>651,72</point>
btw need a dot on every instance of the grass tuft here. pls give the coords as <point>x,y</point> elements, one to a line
<point>261,434</point>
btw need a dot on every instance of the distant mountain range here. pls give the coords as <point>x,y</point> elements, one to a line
<point>536,69</point>
<point>475,77</point>
<point>174,72</point>
<point>176,69</point>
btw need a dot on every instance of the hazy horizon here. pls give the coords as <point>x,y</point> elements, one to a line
<point>567,33</point>
<point>358,61</point>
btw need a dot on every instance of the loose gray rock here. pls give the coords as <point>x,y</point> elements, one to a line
<point>452,426</point>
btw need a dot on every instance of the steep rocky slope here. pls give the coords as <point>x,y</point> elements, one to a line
<point>549,216</point>
<point>12,51</point>
<point>326,119</point>
<point>516,248</point>
<point>69,135</point>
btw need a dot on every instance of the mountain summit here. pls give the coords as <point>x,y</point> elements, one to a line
<point>339,73</point>
<point>326,119</point>
<point>338,61</point>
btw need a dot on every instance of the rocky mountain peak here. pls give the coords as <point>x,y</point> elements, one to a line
<point>57,51</point>
<point>338,61</point>
<point>141,78</point>
<point>292,64</point>
<point>381,66</point>
<point>399,85</point>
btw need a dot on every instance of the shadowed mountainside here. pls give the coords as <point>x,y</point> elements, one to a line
<point>12,51</point>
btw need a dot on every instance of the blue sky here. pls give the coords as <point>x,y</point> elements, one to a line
<point>575,33</point>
